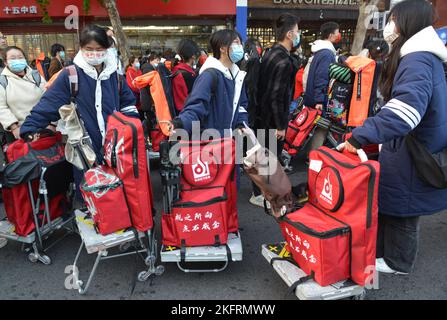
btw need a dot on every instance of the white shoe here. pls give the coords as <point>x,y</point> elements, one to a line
<point>258,201</point>
<point>3,242</point>
<point>381,266</point>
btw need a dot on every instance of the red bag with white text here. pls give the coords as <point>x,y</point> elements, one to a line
<point>319,244</point>
<point>206,211</point>
<point>343,187</point>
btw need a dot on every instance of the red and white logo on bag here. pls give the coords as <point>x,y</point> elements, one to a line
<point>302,117</point>
<point>200,170</point>
<point>329,189</point>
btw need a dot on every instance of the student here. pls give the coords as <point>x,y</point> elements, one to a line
<point>184,73</point>
<point>57,59</point>
<point>101,91</point>
<point>146,98</point>
<point>3,46</point>
<point>413,82</point>
<point>133,70</point>
<point>324,53</point>
<point>21,88</point>
<point>226,107</point>
<point>276,85</point>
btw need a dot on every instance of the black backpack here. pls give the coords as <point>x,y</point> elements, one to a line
<point>341,87</point>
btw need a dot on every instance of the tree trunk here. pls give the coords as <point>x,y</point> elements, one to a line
<point>118,29</point>
<point>362,26</point>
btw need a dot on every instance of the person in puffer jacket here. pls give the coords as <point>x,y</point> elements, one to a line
<point>99,94</point>
<point>324,53</point>
<point>218,99</point>
<point>414,84</point>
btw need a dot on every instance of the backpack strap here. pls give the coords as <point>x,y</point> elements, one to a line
<point>74,81</point>
<point>3,81</point>
<point>36,77</point>
<point>213,72</point>
<point>120,81</point>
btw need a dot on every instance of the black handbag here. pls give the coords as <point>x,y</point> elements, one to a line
<point>432,168</point>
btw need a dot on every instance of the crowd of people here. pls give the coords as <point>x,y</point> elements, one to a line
<point>245,84</point>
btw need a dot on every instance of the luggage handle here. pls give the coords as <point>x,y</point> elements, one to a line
<point>360,152</point>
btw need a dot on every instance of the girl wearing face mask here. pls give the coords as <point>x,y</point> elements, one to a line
<point>218,100</point>
<point>133,70</point>
<point>99,95</point>
<point>20,89</point>
<point>413,84</point>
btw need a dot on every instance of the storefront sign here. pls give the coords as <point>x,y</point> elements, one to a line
<point>320,4</point>
<point>127,9</point>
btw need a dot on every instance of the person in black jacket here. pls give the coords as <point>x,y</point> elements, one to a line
<point>276,86</point>
<point>146,99</point>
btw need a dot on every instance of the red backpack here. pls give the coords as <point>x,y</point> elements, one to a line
<point>125,152</point>
<point>206,210</point>
<point>334,236</point>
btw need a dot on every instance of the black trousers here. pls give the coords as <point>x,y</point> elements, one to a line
<point>398,242</point>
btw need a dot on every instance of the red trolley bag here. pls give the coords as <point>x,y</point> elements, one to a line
<point>125,153</point>
<point>346,189</point>
<point>319,244</point>
<point>300,129</point>
<point>104,196</point>
<point>206,211</point>
<point>17,198</point>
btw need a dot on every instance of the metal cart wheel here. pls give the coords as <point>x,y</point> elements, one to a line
<point>360,297</point>
<point>3,242</point>
<point>159,270</point>
<point>33,258</point>
<point>150,260</point>
<point>124,247</point>
<point>46,260</point>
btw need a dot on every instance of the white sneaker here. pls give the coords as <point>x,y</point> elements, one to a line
<point>3,242</point>
<point>381,266</point>
<point>258,201</point>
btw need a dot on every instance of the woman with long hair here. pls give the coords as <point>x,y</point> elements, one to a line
<point>414,84</point>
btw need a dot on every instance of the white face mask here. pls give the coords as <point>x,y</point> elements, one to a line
<point>94,58</point>
<point>389,33</point>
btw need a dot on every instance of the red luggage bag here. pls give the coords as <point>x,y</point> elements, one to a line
<point>125,153</point>
<point>346,189</point>
<point>17,201</point>
<point>206,211</point>
<point>299,130</point>
<point>319,244</point>
<point>104,196</point>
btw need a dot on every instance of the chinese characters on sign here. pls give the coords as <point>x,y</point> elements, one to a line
<point>302,246</point>
<point>20,10</point>
<point>198,222</point>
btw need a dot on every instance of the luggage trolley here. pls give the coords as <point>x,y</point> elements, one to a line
<point>42,167</point>
<point>220,256</point>
<point>128,243</point>
<point>280,259</point>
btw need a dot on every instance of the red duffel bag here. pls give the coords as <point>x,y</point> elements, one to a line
<point>346,188</point>
<point>206,211</point>
<point>125,152</point>
<point>105,198</point>
<point>299,130</point>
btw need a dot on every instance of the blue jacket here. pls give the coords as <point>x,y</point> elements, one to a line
<point>419,104</point>
<point>318,78</point>
<point>97,99</point>
<point>226,109</point>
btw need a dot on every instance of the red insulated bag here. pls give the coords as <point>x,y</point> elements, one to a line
<point>125,153</point>
<point>206,211</point>
<point>345,188</point>
<point>104,195</point>
<point>319,244</point>
<point>299,130</point>
<point>17,201</point>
